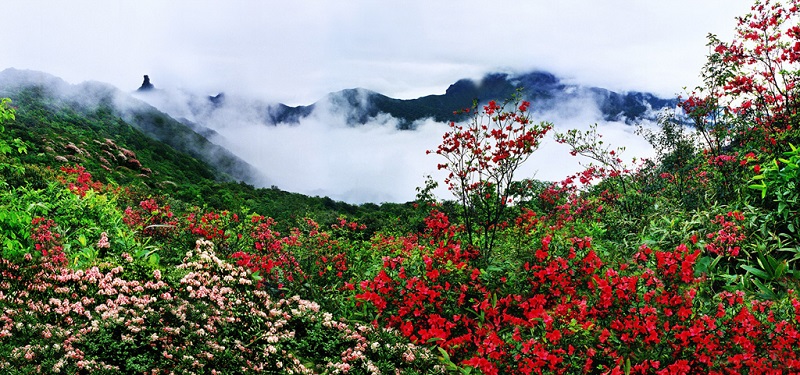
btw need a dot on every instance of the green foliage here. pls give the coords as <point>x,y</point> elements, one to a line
<point>6,112</point>
<point>80,221</point>
<point>648,268</point>
<point>678,161</point>
<point>776,225</point>
<point>8,146</point>
<point>779,184</point>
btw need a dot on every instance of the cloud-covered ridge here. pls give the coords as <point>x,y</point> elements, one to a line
<point>360,146</point>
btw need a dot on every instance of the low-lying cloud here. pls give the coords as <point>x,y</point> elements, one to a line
<point>325,155</point>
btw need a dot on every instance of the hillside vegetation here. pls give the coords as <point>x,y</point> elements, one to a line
<point>122,254</point>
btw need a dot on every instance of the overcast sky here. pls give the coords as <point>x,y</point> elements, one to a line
<point>297,51</point>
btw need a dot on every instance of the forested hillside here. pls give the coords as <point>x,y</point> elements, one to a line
<point>122,254</point>
<point>125,150</point>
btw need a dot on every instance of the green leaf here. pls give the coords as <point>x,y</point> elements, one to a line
<point>768,263</point>
<point>702,266</point>
<point>767,292</point>
<point>781,268</point>
<point>756,272</point>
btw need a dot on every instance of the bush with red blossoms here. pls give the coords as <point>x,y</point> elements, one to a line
<point>574,313</point>
<point>46,242</point>
<point>481,158</point>
<point>152,219</point>
<point>79,181</point>
<point>727,240</point>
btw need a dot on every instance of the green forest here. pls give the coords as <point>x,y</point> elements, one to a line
<point>126,251</point>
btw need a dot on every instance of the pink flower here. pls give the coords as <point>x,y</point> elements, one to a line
<point>103,242</point>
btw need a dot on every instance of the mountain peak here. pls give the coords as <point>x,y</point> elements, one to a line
<point>146,85</point>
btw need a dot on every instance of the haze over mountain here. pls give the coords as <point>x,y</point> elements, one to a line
<point>362,106</point>
<point>89,97</point>
<point>544,89</point>
<point>362,146</point>
<point>354,145</point>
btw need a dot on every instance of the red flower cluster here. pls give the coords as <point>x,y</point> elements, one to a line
<point>151,219</point>
<point>276,266</point>
<point>78,180</point>
<point>211,225</point>
<point>726,240</point>
<point>46,242</point>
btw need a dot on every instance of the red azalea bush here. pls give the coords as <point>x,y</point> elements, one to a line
<point>152,219</point>
<point>481,157</point>
<point>566,311</point>
<point>79,181</point>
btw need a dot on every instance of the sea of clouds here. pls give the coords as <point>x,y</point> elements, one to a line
<point>325,155</point>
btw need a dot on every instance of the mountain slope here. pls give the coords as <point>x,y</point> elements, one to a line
<point>47,93</point>
<point>64,126</point>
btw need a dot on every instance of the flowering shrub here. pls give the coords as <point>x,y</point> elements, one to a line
<point>749,95</point>
<point>575,313</point>
<point>273,265</point>
<point>224,228</point>
<point>756,74</point>
<point>481,157</point>
<point>726,241</point>
<point>309,261</point>
<point>202,318</point>
<point>152,220</point>
<point>79,181</point>
<point>46,242</point>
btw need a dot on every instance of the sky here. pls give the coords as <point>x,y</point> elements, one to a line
<point>295,52</point>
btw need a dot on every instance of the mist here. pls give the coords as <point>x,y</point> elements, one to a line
<point>324,154</point>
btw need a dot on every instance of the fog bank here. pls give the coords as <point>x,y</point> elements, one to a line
<point>375,162</point>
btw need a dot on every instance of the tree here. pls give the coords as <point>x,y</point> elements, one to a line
<point>482,156</point>
<point>750,84</point>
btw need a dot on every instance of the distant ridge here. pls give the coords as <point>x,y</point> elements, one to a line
<point>544,89</point>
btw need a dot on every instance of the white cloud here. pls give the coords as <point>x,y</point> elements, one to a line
<point>297,51</point>
<point>375,162</point>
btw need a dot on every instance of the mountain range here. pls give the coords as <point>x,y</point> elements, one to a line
<point>192,129</point>
<point>545,90</point>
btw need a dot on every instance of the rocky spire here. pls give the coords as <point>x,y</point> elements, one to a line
<point>146,85</point>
